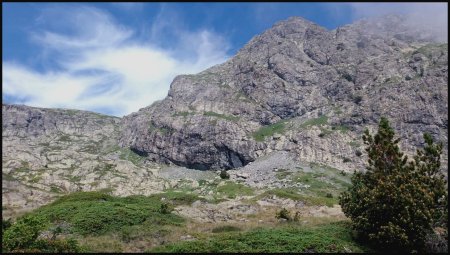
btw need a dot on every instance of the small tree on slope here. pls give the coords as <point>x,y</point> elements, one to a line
<point>397,202</point>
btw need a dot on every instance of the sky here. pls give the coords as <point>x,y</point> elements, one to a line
<point>115,58</point>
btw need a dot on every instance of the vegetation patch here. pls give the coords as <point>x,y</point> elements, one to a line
<point>269,130</point>
<point>231,190</point>
<point>25,167</point>
<point>8,177</point>
<point>36,178</point>
<point>398,204</point>
<point>290,193</point>
<point>354,144</point>
<point>183,114</point>
<point>64,138</point>
<point>324,132</point>
<point>161,130</point>
<point>24,237</point>
<point>337,110</point>
<point>133,157</point>
<point>321,187</point>
<point>221,116</point>
<point>74,178</point>
<point>107,168</point>
<point>177,197</point>
<point>342,128</point>
<point>332,237</point>
<point>320,121</point>
<point>394,80</point>
<point>282,174</point>
<point>242,96</point>
<point>226,228</point>
<point>429,49</point>
<point>55,189</point>
<point>96,213</point>
<point>71,112</point>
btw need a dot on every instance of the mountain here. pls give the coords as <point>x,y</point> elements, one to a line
<point>299,87</point>
<point>49,152</point>
<point>296,89</point>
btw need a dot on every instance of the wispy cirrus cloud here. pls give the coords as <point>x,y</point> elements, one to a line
<point>102,66</point>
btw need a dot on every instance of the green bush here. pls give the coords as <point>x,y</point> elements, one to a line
<point>6,224</point>
<point>23,237</point>
<point>396,203</point>
<point>55,246</point>
<point>23,233</point>
<point>297,217</point>
<point>96,213</point>
<point>345,160</point>
<point>283,214</point>
<point>165,208</point>
<point>224,174</point>
<point>357,99</point>
<point>226,228</point>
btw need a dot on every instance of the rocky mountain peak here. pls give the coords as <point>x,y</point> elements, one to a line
<point>293,88</point>
<point>297,87</point>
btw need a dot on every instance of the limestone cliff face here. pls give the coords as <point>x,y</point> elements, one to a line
<point>49,152</point>
<point>296,89</point>
<point>302,88</point>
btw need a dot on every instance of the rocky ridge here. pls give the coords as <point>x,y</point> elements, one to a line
<point>49,152</point>
<point>301,88</point>
<point>294,100</point>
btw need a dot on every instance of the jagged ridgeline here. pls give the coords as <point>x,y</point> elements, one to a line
<point>302,88</point>
<point>297,87</point>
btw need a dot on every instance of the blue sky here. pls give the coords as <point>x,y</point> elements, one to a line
<point>116,58</point>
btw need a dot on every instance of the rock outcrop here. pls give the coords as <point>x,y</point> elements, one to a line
<point>299,87</point>
<point>50,152</point>
<point>296,93</point>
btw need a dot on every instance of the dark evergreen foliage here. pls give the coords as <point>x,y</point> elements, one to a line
<point>397,203</point>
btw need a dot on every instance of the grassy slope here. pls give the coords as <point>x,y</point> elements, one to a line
<point>103,223</point>
<point>331,237</point>
<point>96,213</point>
<point>114,224</point>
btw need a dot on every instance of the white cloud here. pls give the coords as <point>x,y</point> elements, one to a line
<point>102,68</point>
<point>430,16</point>
<point>89,27</point>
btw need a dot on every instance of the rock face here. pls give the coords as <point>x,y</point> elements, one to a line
<point>301,88</point>
<point>297,88</point>
<point>50,152</point>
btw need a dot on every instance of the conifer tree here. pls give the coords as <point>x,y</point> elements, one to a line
<point>395,203</point>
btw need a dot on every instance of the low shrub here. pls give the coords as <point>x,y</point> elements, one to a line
<point>226,228</point>
<point>283,214</point>
<point>166,208</point>
<point>224,175</point>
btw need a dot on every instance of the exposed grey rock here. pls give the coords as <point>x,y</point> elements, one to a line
<point>50,152</point>
<point>297,71</point>
<point>312,91</point>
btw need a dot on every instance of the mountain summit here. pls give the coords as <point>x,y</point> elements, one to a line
<point>297,89</point>
<point>302,88</point>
